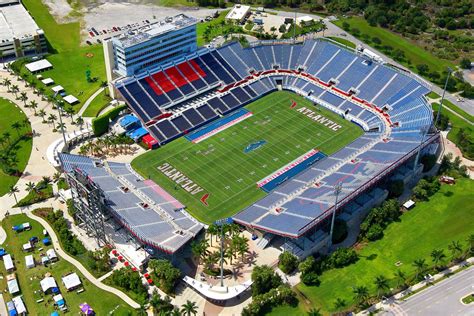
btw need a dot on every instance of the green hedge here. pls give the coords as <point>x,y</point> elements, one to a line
<point>100,125</point>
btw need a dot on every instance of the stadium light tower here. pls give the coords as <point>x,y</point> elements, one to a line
<point>221,223</point>
<point>442,98</point>
<point>337,190</point>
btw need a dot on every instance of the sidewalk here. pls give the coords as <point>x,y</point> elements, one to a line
<point>419,286</point>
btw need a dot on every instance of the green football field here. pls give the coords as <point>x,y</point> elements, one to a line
<point>220,166</point>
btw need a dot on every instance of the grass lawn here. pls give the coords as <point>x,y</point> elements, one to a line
<point>98,104</point>
<point>216,29</point>
<point>417,55</point>
<point>70,60</point>
<point>9,114</point>
<point>429,225</point>
<point>433,95</point>
<point>37,196</point>
<point>102,302</point>
<point>456,122</point>
<point>343,41</point>
<point>221,167</point>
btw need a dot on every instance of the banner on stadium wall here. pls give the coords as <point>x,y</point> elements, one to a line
<point>296,166</point>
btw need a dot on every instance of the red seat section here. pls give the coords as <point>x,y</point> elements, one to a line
<point>197,68</point>
<point>153,85</point>
<point>176,76</point>
<point>163,81</point>
<point>188,71</point>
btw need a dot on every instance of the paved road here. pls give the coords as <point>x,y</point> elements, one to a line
<point>442,299</point>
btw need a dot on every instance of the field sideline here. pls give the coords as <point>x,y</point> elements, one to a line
<point>223,170</point>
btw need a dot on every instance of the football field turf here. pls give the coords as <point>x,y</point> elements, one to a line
<point>223,168</point>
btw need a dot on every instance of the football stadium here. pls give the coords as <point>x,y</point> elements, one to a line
<point>278,135</point>
<point>263,134</point>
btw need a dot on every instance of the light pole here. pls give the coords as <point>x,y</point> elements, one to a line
<point>337,190</point>
<point>442,98</point>
<point>221,223</point>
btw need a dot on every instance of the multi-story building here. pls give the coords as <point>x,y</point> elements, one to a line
<point>150,45</point>
<point>19,34</point>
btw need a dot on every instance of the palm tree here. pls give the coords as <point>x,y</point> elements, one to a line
<point>15,90</point>
<point>381,283</point>
<point>3,141</point>
<point>60,127</point>
<point>314,312</point>
<point>17,126</point>
<point>46,180</point>
<point>420,266</point>
<point>243,247</point>
<point>323,27</point>
<point>437,256</point>
<point>175,312</point>
<point>34,105</point>
<point>80,121</point>
<point>339,303</point>
<point>470,242</point>
<point>56,176</point>
<point>361,293</point>
<point>455,248</point>
<point>13,191</point>
<point>52,118</point>
<point>213,229</point>
<point>30,187</point>
<point>7,83</point>
<point>42,113</point>
<point>229,253</point>
<point>69,110</point>
<point>6,136</point>
<point>401,278</point>
<point>104,85</point>
<point>24,97</point>
<point>189,308</point>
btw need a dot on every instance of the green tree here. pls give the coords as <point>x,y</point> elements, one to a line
<point>189,308</point>
<point>166,273</point>
<point>17,126</point>
<point>420,266</point>
<point>401,278</point>
<point>13,191</point>
<point>287,262</point>
<point>23,97</point>
<point>381,283</point>
<point>455,248</point>
<point>34,105</point>
<point>264,279</point>
<point>339,303</point>
<point>465,63</point>
<point>314,312</point>
<point>361,294</point>
<point>437,256</point>
<point>422,69</point>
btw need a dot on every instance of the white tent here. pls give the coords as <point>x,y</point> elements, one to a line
<point>70,99</point>
<point>8,262</point>
<point>47,81</point>
<point>39,65</point>
<point>48,283</point>
<point>27,247</point>
<point>19,305</point>
<point>57,89</point>
<point>44,260</point>
<point>30,261</point>
<point>13,286</point>
<point>71,281</point>
<point>51,254</point>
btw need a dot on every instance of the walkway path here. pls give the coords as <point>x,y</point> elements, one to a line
<point>91,98</point>
<point>78,265</point>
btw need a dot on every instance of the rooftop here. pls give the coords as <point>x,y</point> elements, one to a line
<point>144,33</point>
<point>238,12</point>
<point>16,22</point>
